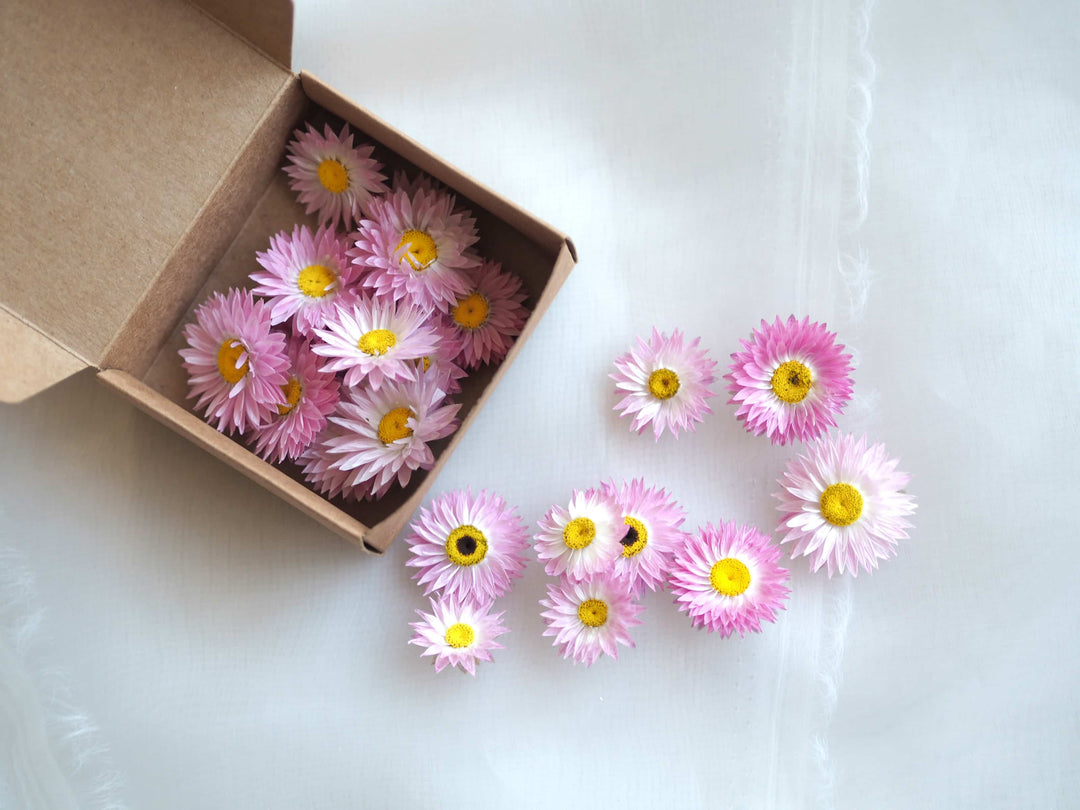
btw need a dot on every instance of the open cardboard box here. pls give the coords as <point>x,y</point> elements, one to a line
<point>141,170</point>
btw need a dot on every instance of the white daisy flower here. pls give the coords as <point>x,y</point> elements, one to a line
<point>583,539</point>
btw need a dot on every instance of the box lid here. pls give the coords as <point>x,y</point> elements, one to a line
<point>120,119</point>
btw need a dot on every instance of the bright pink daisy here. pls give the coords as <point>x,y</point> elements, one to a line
<point>416,245</point>
<point>236,363</point>
<point>651,520</point>
<point>468,547</point>
<point>590,618</point>
<point>583,539</point>
<point>664,382</point>
<point>727,579</point>
<point>844,505</point>
<point>457,633</point>
<point>310,396</point>
<point>306,275</point>
<point>335,180</point>
<point>790,380</point>
<point>489,316</point>
<point>375,340</point>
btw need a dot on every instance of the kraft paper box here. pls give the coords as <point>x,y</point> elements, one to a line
<point>140,169</point>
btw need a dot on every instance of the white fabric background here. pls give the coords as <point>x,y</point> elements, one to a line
<point>906,171</point>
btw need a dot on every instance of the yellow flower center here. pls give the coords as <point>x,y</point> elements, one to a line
<point>395,426</point>
<point>421,250</point>
<point>466,545</point>
<point>791,381</point>
<point>314,280</point>
<point>579,532</point>
<point>663,383</point>
<point>333,176</point>
<point>227,356</point>
<point>841,504</point>
<point>592,612</point>
<point>637,537</point>
<point>459,635</point>
<point>471,312</point>
<point>292,390</point>
<point>729,576</point>
<point>377,341</point>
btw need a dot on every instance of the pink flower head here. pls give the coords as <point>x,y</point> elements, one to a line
<point>335,180</point>
<point>421,182</point>
<point>727,579</point>
<point>457,633</point>
<point>650,534</point>
<point>489,316</point>
<point>305,276</point>
<point>442,363</point>
<point>664,382</point>
<point>375,340</point>
<point>590,618</point>
<point>310,396</point>
<point>416,245</point>
<point>844,504</point>
<point>583,539</point>
<point>236,363</point>
<point>468,548</point>
<point>790,380</point>
<point>321,469</point>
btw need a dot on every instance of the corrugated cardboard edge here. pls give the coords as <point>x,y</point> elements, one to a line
<point>266,25</point>
<point>30,361</point>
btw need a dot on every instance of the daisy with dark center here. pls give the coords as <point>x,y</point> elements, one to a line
<point>790,380</point>
<point>581,540</point>
<point>727,579</point>
<point>589,618</point>
<point>458,633</point>
<point>306,276</point>
<point>844,504</point>
<point>468,547</point>
<point>236,364</point>
<point>334,179</point>
<point>651,535</point>
<point>664,382</point>
<point>489,316</point>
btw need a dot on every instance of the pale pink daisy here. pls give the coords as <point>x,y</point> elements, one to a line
<point>590,618</point>
<point>664,382</point>
<point>727,578</point>
<point>650,536</point>
<point>790,380</point>
<point>305,276</point>
<point>844,504</point>
<point>468,547</point>
<point>583,539</point>
<point>414,244</point>
<point>442,363</point>
<point>458,633</point>
<point>236,363</point>
<point>387,433</point>
<point>320,469</point>
<point>334,179</point>
<point>421,181</point>
<point>310,396</point>
<point>489,316</point>
<point>375,340</point>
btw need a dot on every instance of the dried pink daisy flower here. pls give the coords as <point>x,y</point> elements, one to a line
<point>844,505</point>
<point>310,396</point>
<point>458,633</point>
<point>236,363</point>
<point>651,535</point>
<point>320,469</point>
<point>414,244</point>
<point>581,540</point>
<point>442,363</point>
<point>335,180</point>
<point>421,181</point>
<point>468,547</point>
<point>590,618</point>
<point>727,579</point>
<point>489,316</point>
<point>790,380</point>
<point>375,340</point>
<point>664,382</point>
<point>386,433</point>
<point>306,276</point>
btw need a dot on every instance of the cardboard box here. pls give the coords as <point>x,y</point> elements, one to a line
<point>141,170</point>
